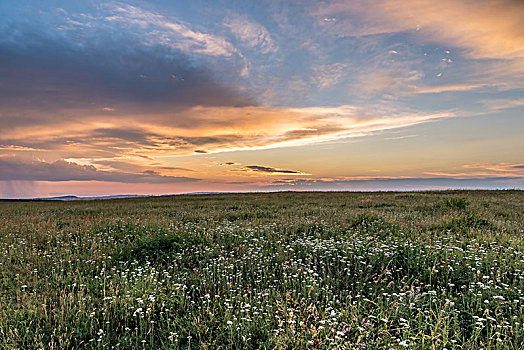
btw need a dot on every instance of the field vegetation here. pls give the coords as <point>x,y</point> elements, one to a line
<point>290,270</point>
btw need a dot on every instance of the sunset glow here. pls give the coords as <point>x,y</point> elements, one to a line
<point>164,97</point>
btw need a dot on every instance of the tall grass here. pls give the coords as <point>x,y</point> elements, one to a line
<point>427,270</point>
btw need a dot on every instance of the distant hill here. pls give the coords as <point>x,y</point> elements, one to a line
<point>72,198</point>
<point>77,198</point>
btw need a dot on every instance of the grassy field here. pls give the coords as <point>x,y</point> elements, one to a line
<point>429,270</point>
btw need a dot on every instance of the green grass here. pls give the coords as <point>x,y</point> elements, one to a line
<point>429,270</point>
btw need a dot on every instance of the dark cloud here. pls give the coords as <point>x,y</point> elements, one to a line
<point>46,72</point>
<point>114,142</point>
<point>15,169</point>
<point>265,169</point>
<point>518,166</point>
<point>131,135</point>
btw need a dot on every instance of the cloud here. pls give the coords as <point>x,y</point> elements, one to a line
<point>494,176</point>
<point>497,166</point>
<point>483,29</point>
<point>401,137</point>
<point>13,169</point>
<point>481,45</point>
<point>173,168</point>
<point>16,148</point>
<point>486,39</point>
<point>328,75</point>
<point>128,164</point>
<point>160,30</point>
<point>47,78</point>
<point>271,170</point>
<point>395,184</point>
<point>206,129</point>
<point>251,33</point>
<point>448,88</point>
<point>483,171</point>
<point>135,60</point>
<point>500,104</point>
<point>387,82</point>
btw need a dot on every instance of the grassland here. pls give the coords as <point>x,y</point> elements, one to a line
<point>429,270</point>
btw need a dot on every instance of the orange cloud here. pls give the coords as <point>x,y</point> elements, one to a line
<point>498,104</point>
<point>209,129</point>
<point>486,170</point>
<point>505,167</point>
<point>485,29</point>
<point>448,88</point>
<point>16,148</point>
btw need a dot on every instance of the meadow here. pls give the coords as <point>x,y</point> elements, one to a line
<point>289,270</point>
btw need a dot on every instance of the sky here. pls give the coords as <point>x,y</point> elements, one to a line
<point>165,97</point>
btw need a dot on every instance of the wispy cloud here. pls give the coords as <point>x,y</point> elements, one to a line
<point>484,41</point>
<point>16,169</point>
<point>271,170</point>
<point>400,137</point>
<point>388,82</point>
<point>482,29</point>
<point>210,129</point>
<point>501,104</point>
<point>483,171</point>
<point>328,75</point>
<point>161,30</point>
<point>130,164</point>
<point>501,167</point>
<point>251,33</point>
<point>448,88</point>
<point>395,184</point>
<point>16,148</point>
